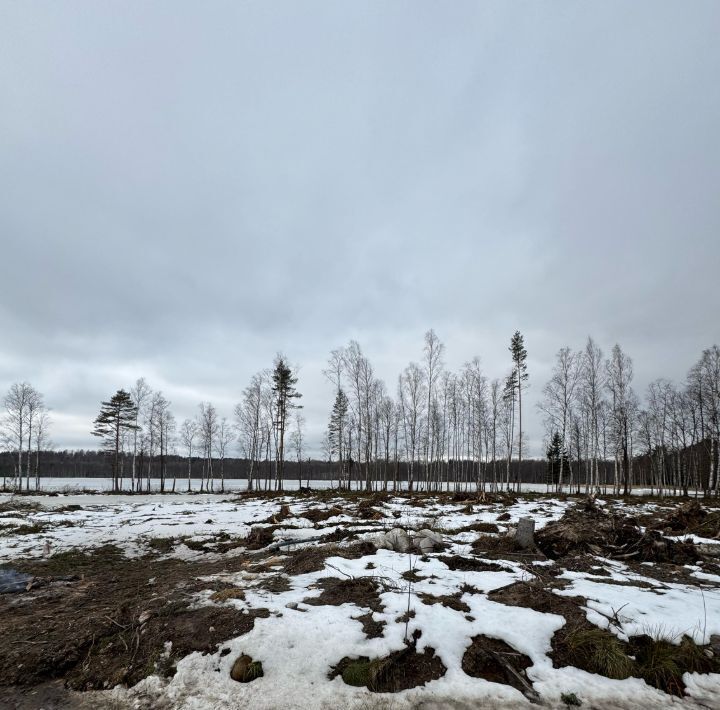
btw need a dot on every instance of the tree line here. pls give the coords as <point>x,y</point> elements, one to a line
<point>436,430</point>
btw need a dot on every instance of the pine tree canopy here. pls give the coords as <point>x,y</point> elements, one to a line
<point>519,354</point>
<point>117,414</point>
<point>284,381</point>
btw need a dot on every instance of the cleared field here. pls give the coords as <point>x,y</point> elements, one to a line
<point>294,601</point>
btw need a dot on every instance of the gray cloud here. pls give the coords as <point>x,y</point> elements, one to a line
<point>187,189</point>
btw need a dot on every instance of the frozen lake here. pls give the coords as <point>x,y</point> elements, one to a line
<point>233,485</point>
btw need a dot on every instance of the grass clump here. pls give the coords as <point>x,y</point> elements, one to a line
<point>14,505</point>
<point>571,700</point>
<point>32,529</point>
<point>254,670</point>
<point>662,663</point>
<point>357,673</point>
<point>229,593</point>
<point>693,658</point>
<point>658,664</point>
<point>598,651</point>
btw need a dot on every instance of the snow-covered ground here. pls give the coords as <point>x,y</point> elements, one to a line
<point>129,522</point>
<point>299,642</point>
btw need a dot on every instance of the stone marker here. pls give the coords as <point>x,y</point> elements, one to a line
<point>524,535</point>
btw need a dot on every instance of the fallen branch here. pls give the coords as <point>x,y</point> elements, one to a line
<point>527,689</point>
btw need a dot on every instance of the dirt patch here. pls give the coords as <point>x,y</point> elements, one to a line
<point>318,515</point>
<point>537,597</point>
<point>72,508</point>
<point>469,564</point>
<point>312,559</point>
<point>161,545</point>
<point>400,670</point>
<point>358,550</point>
<point>309,559</point>
<point>371,628</point>
<point>451,601</point>
<point>110,625</point>
<point>53,695</point>
<point>361,591</point>
<point>503,546</point>
<point>74,562</point>
<point>223,595</point>
<point>496,661</point>
<point>481,527</point>
<point>275,584</point>
<point>412,575</point>
<point>220,543</point>
<point>587,564</point>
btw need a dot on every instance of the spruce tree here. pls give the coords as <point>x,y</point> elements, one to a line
<point>116,416</point>
<point>285,393</point>
<point>336,428</point>
<point>557,460</point>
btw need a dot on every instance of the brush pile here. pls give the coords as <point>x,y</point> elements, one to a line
<point>588,528</point>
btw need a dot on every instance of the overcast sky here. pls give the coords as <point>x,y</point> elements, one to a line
<point>188,188</point>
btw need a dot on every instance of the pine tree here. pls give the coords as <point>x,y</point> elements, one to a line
<point>519,358</point>
<point>116,416</point>
<point>284,390</point>
<point>336,428</point>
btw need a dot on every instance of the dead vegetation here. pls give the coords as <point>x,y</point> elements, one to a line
<point>690,519</point>
<point>260,537</point>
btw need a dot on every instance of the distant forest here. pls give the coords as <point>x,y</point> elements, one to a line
<point>435,430</point>
<point>97,464</point>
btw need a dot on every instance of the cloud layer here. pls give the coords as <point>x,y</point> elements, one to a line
<point>187,189</point>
